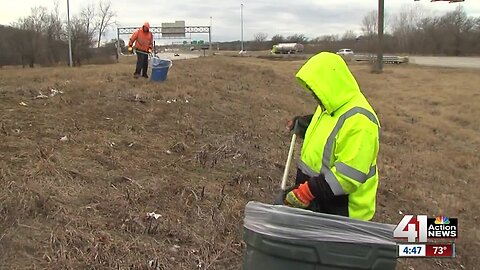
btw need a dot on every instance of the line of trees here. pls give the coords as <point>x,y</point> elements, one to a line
<point>42,37</point>
<point>412,30</point>
<point>454,33</point>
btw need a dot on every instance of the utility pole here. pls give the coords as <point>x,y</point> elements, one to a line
<point>119,50</point>
<point>381,14</point>
<point>210,36</point>
<point>241,20</point>
<point>69,34</point>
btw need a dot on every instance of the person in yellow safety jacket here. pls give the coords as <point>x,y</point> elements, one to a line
<point>337,171</point>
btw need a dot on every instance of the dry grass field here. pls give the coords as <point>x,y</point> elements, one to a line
<point>82,163</point>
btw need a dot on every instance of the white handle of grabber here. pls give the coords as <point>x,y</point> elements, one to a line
<point>289,160</point>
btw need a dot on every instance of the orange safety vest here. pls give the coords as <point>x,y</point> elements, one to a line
<point>143,40</point>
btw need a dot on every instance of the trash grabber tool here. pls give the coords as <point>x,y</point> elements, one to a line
<point>283,186</point>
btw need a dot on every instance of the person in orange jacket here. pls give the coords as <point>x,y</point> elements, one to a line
<point>143,40</point>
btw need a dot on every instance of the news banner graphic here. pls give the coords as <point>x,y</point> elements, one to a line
<point>418,229</point>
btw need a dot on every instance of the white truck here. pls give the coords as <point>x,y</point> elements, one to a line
<point>287,48</point>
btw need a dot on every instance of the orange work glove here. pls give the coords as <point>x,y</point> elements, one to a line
<point>299,197</point>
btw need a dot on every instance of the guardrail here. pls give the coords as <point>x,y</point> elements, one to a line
<point>388,59</point>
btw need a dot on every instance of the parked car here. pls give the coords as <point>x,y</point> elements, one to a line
<point>345,52</point>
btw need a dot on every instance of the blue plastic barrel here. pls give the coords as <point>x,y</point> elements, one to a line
<point>160,69</point>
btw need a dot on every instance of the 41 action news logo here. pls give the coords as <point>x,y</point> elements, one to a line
<point>421,228</point>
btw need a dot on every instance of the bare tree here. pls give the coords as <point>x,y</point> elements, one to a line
<point>260,37</point>
<point>297,38</point>
<point>369,24</point>
<point>53,33</point>
<point>87,16</point>
<point>105,19</point>
<point>457,26</point>
<point>404,25</point>
<point>349,35</point>
<point>81,42</point>
<point>329,42</point>
<point>278,39</point>
<point>259,41</point>
<point>40,37</point>
<point>31,37</point>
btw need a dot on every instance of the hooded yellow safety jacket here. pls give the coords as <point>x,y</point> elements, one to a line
<point>342,140</point>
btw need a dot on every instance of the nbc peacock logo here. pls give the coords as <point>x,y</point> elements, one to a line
<point>442,220</point>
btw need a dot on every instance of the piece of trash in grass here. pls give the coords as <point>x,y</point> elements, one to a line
<point>173,100</point>
<point>168,152</point>
<point>54,92</point>
<point>64,139</point>
<point>112,144</point>
<point>400,212</point>
<point>138,98</point>
<point>23,103</point>
<point>154,264</point>
<point>41,96</point>
<point>131,144</point>
<point>108,118</point>
<point>153,215</point>
<point>186,101</point>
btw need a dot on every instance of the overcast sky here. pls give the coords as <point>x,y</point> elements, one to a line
<point>310,17</point>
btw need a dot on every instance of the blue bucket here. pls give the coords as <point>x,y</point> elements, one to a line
<point>160,69</point>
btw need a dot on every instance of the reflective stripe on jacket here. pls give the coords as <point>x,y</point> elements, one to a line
<point>342,140</point>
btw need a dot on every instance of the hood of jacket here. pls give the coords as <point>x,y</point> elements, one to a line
<point>147,26</point>
<point>328,77</point>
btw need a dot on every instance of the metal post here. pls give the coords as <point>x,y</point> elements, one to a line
<point>69,34</point>
<point>119,50</point>
<point>381,13</point>
<point>241,20</point>
<point>210,36</point>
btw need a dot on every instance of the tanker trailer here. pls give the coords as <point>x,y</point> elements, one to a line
<point>287,48</point>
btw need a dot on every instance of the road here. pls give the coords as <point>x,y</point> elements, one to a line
<point>170,55</point>
<point>455,62</point>
<point>182,55</point>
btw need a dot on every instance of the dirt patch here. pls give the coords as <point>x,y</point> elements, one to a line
<point>80,170</point>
